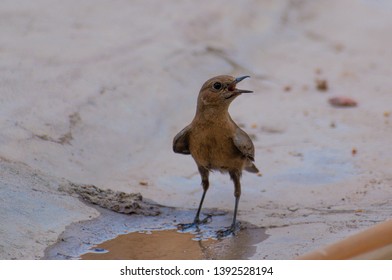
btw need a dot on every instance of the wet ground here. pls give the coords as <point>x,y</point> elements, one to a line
<point>175,245</point>
<point>118,236</point>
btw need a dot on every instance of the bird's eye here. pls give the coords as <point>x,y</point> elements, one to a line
<point>217,85</point>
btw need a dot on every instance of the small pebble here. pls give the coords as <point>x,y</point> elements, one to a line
<point>321,84</point>
<point>342,102</point>
<point>143,183</point>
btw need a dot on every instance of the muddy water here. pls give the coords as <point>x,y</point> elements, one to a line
<point>118,236</point>
<point>174,245</point>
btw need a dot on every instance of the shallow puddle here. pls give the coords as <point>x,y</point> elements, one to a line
<point>174,245</point>
<point>114,236</point>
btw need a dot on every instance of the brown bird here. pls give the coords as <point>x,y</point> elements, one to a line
<point>216,142</point>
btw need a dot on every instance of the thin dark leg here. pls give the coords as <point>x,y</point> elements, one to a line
<point>205,183</point>
<point>235,176</point>
<point>197,217</point>
<point>237,199</point>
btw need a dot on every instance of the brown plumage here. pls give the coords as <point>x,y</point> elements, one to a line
<point>215,141</point>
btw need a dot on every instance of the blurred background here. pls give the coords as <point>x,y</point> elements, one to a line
<point>94,91</point>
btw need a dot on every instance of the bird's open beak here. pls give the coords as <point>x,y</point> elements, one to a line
<point>235,82</point>
<point>239,79</point>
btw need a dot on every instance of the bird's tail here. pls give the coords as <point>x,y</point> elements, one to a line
<point>251,168</point>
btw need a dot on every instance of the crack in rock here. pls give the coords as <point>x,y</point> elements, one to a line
<point>67,137</point>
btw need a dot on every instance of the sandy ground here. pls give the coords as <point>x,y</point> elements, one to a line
<point>93,92</point>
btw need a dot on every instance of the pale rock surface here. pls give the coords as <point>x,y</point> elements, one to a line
<point>94,92</point>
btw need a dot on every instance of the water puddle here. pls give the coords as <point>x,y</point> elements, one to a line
<point>174,245</point>
<point>117,236</point>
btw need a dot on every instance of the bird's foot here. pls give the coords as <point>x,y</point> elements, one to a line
<point>229,231</point>
<point>195,223</point>
<point>186,226</point>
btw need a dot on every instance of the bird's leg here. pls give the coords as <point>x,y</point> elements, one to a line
<point>235,176</point>
<point>205,183</point>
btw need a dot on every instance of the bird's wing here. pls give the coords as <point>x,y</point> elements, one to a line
<point>244,144</point>
<point>181,141</point>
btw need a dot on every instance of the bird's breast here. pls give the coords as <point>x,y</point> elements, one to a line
<point>213,148</point>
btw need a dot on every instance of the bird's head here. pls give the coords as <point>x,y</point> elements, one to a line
<point>220,91</point>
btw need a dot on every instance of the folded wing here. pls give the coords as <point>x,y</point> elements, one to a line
<point>245,145</point>
<point>181,141</point>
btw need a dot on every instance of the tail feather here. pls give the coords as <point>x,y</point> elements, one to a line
<point>251,168</point>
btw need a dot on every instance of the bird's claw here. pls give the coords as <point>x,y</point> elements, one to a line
<point>196,223</point>
<point>232,230</point>
<point>206,220</point>
<point>186,226</point>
